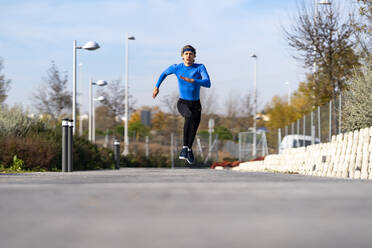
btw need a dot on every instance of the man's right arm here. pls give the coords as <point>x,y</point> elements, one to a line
<point>170,70</point>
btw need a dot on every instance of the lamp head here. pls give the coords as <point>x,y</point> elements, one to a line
<point>101,83</point>
<point>100,99</point>
<point>254,56</point>
<point>91,45</point>
<point>131,38</point>
<point>325,2</point>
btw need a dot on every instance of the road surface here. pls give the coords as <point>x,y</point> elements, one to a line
<point>181,208</point>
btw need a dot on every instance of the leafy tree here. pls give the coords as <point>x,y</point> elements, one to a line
<point>52,98</point>
<point>138,129</point>
<point>135,117</point>
<point>302,98</point>
<point>280,113</point>
<point>163,123</point>
<point>223,133</point>
<point>357,111</point>
<point>4,84</point>
<point>158,121</point>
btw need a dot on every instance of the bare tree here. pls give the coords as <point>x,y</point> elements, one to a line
<point>232,104</point>
<point>170,103</point>
<point>363,27</point>
<point>114,94</point>
<point>52,97</point>
<point>208,101</point>
<point>4,84</point>
<point>104,118</point>
<point>247,105</point>
<point>325,44</point>
<point>247,110</point>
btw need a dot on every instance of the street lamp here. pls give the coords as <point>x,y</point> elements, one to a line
<point>90,46</point>
<point>99,99</point>
<point>254,56</point>
<point>289,92</point>
<point>91,107</point>
<point>317,2</point>
<point>126,140</point>
<point>82,118</point>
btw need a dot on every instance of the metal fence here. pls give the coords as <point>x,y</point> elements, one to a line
<point>323,122</point>
<point>206,149</point>
<point>246,149</point>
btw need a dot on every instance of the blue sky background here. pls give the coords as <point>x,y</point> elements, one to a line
<point>225,34</point>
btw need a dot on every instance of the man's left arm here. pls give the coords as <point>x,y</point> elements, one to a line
<point>205,81</point>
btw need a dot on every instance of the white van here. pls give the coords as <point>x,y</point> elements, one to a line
<point>293,140</point>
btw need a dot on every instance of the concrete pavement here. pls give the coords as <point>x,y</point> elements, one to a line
<point>183,208</point>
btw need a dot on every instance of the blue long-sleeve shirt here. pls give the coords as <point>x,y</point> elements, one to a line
<point>188,91</point>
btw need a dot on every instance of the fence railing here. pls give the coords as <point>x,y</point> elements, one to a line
<point>170,145</point>
<point>320,124</point>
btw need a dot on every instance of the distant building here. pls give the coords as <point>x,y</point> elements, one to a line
<point>146,117</point>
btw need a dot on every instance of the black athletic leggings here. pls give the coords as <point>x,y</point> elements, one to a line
<point>191,111</point>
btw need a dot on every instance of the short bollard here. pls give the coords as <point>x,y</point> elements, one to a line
<point>117,154</point>
<point>70,161</point>
<point>64,144</point>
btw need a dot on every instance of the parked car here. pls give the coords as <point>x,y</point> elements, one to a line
<point>294,140</point>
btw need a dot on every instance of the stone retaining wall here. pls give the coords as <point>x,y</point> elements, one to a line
<point>348,155</point>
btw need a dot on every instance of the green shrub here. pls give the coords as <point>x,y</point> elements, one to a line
<point>357,111</point>
<point>88,156</point>
<point>13,122</point>
<point>35,152</point>
<point>140,160</point>
<point>39,145</point>
<point>17,165</point>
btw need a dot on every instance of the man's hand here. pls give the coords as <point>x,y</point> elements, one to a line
<point>155,92</point>
<point>189,80</point>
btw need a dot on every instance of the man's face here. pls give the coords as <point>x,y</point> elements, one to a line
<point>188,57</point>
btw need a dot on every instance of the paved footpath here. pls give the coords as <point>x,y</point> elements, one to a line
<point>181,208</point>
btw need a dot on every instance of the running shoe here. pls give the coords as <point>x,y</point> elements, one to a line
<point>190,157</point>
<point>183,153</point>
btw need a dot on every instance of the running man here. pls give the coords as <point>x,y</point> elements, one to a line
<point>190,77</point>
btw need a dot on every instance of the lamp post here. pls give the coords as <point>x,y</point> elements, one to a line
<point>317,2</point>
<point>126,140</point>
<point>254,56</point>
<point>82,118</point>
<point>91,83</point>
<point>289,92</point>
<point>99,99</point>
<point>90,46</point>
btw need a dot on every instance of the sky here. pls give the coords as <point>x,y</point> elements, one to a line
<point>225,34</point>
